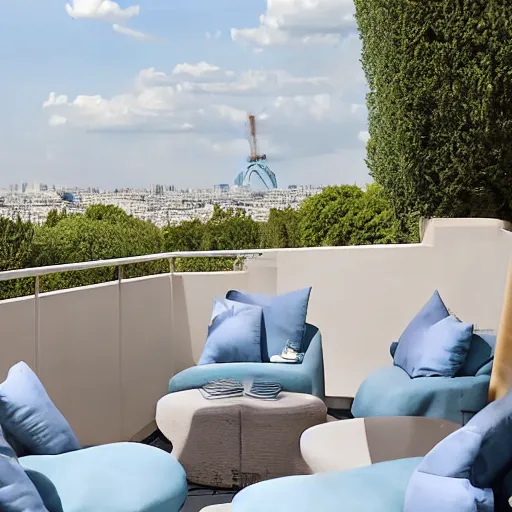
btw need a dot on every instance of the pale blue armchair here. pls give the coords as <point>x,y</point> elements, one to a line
<point>306,377</point>
<point>391,392</point>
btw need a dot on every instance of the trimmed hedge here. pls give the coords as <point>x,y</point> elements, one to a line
<point>440,104</point>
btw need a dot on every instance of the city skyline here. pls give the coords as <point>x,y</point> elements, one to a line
<point>129,94</point>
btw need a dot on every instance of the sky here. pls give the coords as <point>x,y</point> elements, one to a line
<point>128,94</point>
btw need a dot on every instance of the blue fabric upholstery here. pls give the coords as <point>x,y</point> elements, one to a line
<point>459,473</point>
<point>434,343</point>
<point>390,391</point>
<point>284,319</point>
<point>445,346</point>
<point>480,355</point>
<point>234,335</point>
<point>503,493</point>
<point>410,346</point>
<point>47,491</point>
<point>307,377</point>
<point>28,414</point>
<point>377,488</point>
<point>17,492</point>
<point>122,477</point>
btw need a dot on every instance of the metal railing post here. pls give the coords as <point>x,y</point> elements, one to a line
<point>36,324</point>
<point>120,347</point>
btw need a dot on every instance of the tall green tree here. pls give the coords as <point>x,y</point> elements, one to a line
<point>104,232</point>
<point>54,217</point>
<point>347,215</point>
<point>226,230</point>
<point>281,229</point>
<point>16,252</point>
<point>440,104</point>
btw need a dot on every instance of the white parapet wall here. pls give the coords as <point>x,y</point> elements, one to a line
<point>106,352</point>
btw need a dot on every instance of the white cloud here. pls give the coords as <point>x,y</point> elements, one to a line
<point>57,120</point>
<point>105,10</point>
<point>54,100</point>
<point>364,136</point>
<point>300,21</point>
<point>141,36</point>
<point>297,115</point>
<point>216,35</point>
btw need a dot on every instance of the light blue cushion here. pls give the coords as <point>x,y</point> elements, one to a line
<point>29,415</point>
<point>234,335</point>
<point>284,319</point>
<point>444,349</point>
<point>458,474</point>
<point>17,492</point>
<point>377,488</point>
<point>120,477</point>
<point>433,344</point>
<point>407,351</point>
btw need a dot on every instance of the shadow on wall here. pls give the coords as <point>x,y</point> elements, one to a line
<point>181,335</point>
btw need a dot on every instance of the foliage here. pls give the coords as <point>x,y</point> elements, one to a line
<point>226,230</point>
<point>54,217</point>
<point>440,104</point>
<point>16,245</point>
<point>340,215</point>
<point>347,215</point>
<point>281,229</point>
<point>104,232</point>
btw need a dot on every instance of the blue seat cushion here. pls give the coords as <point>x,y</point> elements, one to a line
<point>284,319</point>
<point>434,344</point>
<point>120,477</point>
<point>377,488</point>
<point>289,376</point>
<point>17,491</point>
<point>234,334</point>
<point>30,417</point>
<point>462,469</point>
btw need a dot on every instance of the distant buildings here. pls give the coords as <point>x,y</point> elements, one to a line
<point>160,204</point>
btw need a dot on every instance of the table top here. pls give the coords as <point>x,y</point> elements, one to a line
<point>286,400</point>
<point>346,444</point>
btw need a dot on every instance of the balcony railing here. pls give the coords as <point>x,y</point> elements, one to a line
<point>37,272</point>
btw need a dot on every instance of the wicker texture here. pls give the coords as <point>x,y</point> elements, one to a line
<point>233,442</point>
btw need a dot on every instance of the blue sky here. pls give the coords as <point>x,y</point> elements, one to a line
<point>157,91</point>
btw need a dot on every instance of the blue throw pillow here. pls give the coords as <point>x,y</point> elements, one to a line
<point>284,319</point>
<point>459,473</point>
<point>433,344</point>
<point>234,335</point>
<point>17,491</point>
<point>444,348</point>
<point>29,415</point>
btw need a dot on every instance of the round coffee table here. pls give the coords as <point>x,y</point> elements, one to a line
<point>348,444</point>
<point>234,442</point>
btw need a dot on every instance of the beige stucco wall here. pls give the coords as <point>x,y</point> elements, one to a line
<point>106,352</point>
